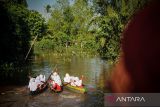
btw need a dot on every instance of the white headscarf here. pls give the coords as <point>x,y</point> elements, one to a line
<point>55,74</point>
<point>67,78</point>
<point>42,77</point>
<point>76,79</point>
<point>56,78</point>
<point>32,80</point>
<point>32,84</point>
<point>67,75</point>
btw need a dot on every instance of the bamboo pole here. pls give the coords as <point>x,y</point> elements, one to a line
<point>31,47</point>
<point>52,71</point>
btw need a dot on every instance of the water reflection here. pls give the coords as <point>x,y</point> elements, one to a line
<point>93,68</point>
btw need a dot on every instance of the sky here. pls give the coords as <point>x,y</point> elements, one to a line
<point>39,5</point>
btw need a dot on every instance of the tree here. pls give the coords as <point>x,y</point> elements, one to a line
<point>68,22</point>
<point>48,8</point>
<point>108,34</point>
<point>19,24</point>
<point>36,23</point>
<point>20,2</point>
<point>114,14</point>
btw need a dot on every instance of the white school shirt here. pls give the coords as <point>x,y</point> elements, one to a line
<point>57,79</point>
<point>33,86</point>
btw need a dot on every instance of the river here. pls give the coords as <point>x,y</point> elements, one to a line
<point>92,67</point>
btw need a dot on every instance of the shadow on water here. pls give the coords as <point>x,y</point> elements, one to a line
<point>93,68</point>
<point>11,74</point>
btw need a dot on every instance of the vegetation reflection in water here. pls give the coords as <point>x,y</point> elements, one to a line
<point>93,68</point>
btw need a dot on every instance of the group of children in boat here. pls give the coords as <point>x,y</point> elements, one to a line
<point>54,81</point>
<point>74,81</point>
<point>35,83</point>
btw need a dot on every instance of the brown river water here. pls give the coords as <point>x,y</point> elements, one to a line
<point>93,68</point>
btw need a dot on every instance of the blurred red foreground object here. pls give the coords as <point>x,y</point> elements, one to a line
<point>138,69</point>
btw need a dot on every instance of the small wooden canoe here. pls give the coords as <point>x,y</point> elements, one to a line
<point>75,88</point>
<point>40,89</point>
<point>56,89</point>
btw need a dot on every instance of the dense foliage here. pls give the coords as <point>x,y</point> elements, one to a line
<point>19,26</point>
<point>68,26</point>
<point>114,14</point>
<point>76,26</point>
<point>89,25</point>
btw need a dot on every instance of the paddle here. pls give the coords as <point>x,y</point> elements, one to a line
<point>50,76</point>
<point>51,72</point>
